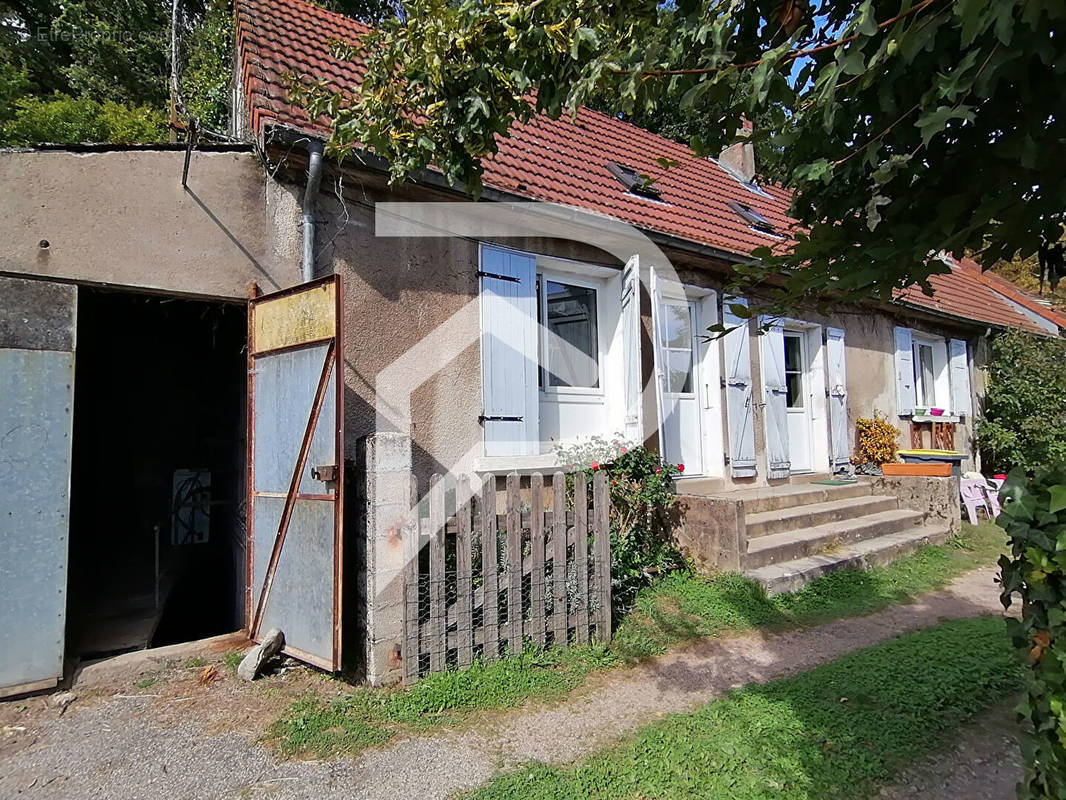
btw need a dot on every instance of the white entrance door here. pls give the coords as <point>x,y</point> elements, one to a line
<point>797,401</point>
<point>682,435</point>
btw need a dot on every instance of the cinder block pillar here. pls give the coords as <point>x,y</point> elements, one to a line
<point>387,464</point>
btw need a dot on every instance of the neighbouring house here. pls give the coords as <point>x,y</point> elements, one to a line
<point>221,365</point>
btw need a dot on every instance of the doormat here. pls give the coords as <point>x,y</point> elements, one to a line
<point>835,483</point>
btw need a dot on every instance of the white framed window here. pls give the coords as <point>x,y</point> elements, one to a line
<point>570,349</point>
<point>929,359</point>
<point>932,372</point>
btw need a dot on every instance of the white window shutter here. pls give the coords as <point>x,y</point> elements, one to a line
<point>904,372</point>
<point>631,348</point>
<point>509,361</point>
<point>959,368</point>
<point>772,350</point>
<point>657,352</point>
<point>840,448</point>
<point>739,412</point>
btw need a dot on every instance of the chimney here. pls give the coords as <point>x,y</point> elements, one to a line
<point>739,158</point>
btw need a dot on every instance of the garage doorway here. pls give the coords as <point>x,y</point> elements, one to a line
<point>158,474</point>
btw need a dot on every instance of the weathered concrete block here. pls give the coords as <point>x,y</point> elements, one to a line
<point>387,470</point>
<point>711,532</point>
<point>937,498</point>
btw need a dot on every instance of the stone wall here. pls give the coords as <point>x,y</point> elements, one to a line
<point>937,498</point>
<point>711,532</point>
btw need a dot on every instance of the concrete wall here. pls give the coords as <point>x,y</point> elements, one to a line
<point>123,218</point>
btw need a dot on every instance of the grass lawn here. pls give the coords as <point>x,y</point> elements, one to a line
<point>681,606</point>
<point>686,606</point>
<point>836,731</point>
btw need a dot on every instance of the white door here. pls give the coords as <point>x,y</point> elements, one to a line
<point>682,435</point>
<point>797,401</point>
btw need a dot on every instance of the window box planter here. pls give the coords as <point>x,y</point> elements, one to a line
<point>929,470</point>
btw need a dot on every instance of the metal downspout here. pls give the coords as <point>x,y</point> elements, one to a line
<point>314,178</point>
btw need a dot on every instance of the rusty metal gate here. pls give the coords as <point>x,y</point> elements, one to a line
<point>295,469</point>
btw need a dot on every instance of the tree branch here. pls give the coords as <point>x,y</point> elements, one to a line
<point>657,73</point>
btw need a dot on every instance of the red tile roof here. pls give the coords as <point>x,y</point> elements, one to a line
<point>961,293</point>
<point>559,161</point>
<point>1027,300</point>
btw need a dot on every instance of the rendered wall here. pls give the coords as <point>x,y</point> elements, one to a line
<point>123,218</point>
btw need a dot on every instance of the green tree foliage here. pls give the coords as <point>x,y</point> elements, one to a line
<point>62,119</point>
<point>119,50</point>
<point>98,70</point>
<point>205,80</point>
<point>904,127</point>
<point>1035,520</point>
<point>1024,421</point>
<point>372,12</point>
<point>27,44</point>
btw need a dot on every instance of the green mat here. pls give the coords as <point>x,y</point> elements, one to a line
<point>834,483</point>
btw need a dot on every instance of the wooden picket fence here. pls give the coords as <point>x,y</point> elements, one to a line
<point>481,582</point>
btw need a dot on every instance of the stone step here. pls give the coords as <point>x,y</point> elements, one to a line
<point>789,576</point>
<point>809,516</point>
<point>776,548</point>
<point>776,498</point>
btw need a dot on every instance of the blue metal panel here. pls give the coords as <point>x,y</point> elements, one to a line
<point>36,398</point>
<point>300,602</point>
<point>285,386</point>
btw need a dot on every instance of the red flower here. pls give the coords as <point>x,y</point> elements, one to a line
<point>595,465</point>
<point>658,471</point>
<point>624,451</point>
<point>614,483</point>
<point>680,467</point>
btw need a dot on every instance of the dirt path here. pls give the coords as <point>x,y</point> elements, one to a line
<point>120,748</point>
<point>984,762</point>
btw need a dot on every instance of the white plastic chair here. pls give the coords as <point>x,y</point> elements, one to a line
<point>974,498</point>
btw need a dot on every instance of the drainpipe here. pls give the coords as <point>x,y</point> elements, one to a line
<point>314,178</point>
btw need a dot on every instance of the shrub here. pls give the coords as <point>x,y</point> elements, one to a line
<point>875,441</point>
<point>60,119</point>
<point>1024,409</point>
<point>1035,521</point>
<point>642,509</point>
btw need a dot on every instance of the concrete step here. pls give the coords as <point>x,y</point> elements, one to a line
<point>776,548</point>
<point>789,576</point>
<point>808,516</point>
<point>776,498</point>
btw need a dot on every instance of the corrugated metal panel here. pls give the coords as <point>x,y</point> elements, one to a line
<point>36,401</point>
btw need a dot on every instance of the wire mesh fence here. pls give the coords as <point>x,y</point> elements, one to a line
<point>489,571</point>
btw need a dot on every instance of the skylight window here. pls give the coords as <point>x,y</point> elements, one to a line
<point>753,218</point>
<point>634,181</point>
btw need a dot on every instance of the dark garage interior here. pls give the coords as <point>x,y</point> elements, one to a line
<point>158,478</point>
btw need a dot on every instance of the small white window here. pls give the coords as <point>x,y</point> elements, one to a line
<point>570,336</point>
<point>930,363</point>
<point>924,375</point>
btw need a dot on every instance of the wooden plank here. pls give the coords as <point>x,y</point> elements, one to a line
<point>437,643</point>
<point>601,549</point>
<point>537,547</point>
<point>581,557</point>
<point>514,564</point>
<point>490,571</point>
<point>464,583</point>
<point>410,535</point>
<point>559,618</point>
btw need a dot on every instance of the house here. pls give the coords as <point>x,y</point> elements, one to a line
<point>221,365</point>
